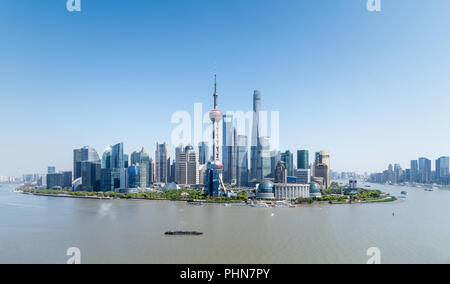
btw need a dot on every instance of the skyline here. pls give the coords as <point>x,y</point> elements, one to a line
<point>71,80</point>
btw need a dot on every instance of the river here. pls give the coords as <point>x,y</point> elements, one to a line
<point>36,229</point>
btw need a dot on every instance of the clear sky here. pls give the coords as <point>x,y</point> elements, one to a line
<point>373,88</point>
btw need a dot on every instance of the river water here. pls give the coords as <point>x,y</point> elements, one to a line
<point>37,229</point>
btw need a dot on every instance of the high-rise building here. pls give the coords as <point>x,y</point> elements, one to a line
<point>442,169</point>
<point>281,173</point>
<point>186,166</point>
<point>117,156</point>
<point>424,170</point>
<point>142,159</point>
<point>242,161</point>
<point>288,159</point>
<point>51,170</point>
<point>109,179</point>
<point>203,153</point>
<point>322,171</point>
<point>55,180</point>
<point>255,141</point>
<point>162,165</point>
<point>303,176</point>
<point>275,157</point>
<point>90,175</point>
<point>303,159</point>
<point>133,175</point>
<point>264,165</point>
<point>229,149</point>
<point>414,176</point>
<point>87,154</point>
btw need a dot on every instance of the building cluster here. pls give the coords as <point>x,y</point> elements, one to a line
<point>234,162</point>
<point>420,171</point>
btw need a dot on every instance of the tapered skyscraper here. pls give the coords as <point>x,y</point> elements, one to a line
<point>256,143</point>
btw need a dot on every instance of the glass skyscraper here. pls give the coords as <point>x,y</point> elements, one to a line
<point>288,159</point>
<point>203,153</point>
<point>242,161</point>
<point>303,159</point>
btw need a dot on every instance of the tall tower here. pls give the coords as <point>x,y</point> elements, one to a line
<point>255,142</point>
<point>216,116</point>
<point>213,174</point>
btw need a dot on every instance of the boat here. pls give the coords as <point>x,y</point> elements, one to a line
<point>195,203</point>
<point>183,233</point>
<point>259,204</point>
<point>404,192</point>
<point>429,189</point>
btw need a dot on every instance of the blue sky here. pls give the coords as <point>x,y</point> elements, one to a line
<point>372,88</point>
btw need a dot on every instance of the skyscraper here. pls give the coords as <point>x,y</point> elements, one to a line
<point>228,149</point>
<point>442,169</point>
<point>414,175</point>
<point>242,161</point>
<point>303,159</point>
<point>264,162</point>
<point>117,156</point>
<point>162,164</point>
<point>203,153</point>
<point>51,170</point>
<point>90,175</point>
<point>255,142</point>
<point>424,170</point>
<point>142,159</point>
<point>288,159</point>
<point>186,166</point>
<point>80,155</point>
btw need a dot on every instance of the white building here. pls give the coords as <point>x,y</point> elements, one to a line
<point>291,191</point>
<point>303,176</point>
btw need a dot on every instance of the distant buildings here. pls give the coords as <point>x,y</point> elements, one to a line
<point>420,171</point>
<point>81,155</point>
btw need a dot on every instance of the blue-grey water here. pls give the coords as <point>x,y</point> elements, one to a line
<point>40,230</point>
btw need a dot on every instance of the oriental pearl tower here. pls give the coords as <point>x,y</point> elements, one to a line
<point>213,175</point>
<point>216,116</point>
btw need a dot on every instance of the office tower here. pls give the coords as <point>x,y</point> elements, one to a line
<point>162,165</point>
<point>55,180</point>
<point>256,132</point>
<point>275,157</point>
<point>281,172</point>
<point>424,170</point>
<point>90,175</point>
<point>142,159</point>
<point>398,173</point>
<point>186,166</point>
<point>288,159</point>
<point>109,179</point>
<point>303,176</point>
<point>126,161</point>
<point>152,171</point>
<point>117,156</point>
<point>213,174</point>
<point>133,175</point>
<point>414,176</point>
<point>442,169</point>
<point>106,158</point>
<point>51,170</point>
<point>87,154</point>
<point>264,165</point>
<point>203,153</point>
<point>242,161</point>
<point>321,171</point>
<point>229,149</point>
<point>303,159</point>
<point>67,179</point>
